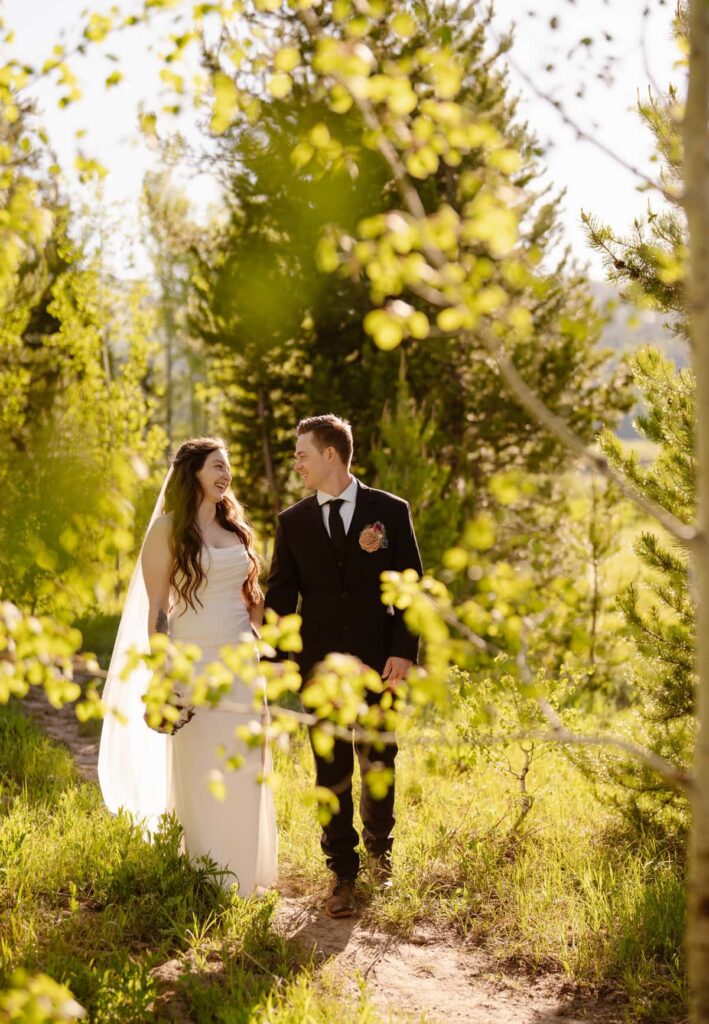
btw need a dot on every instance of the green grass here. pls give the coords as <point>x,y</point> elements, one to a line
<point>567,893</point>
<point>85,900</point>
<point>98,633</point>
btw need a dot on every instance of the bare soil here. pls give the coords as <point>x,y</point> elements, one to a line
<point>431,976</point>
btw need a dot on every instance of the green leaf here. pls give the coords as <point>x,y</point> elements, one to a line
<point>98,27</point>
<point>453,318</point>
<point>480,532</point>
<point>287,59</point>
<point>280,85</point>
<point>340,99</point>
<point>217,786</point>
<point>506,160</point>
<point>379,781</point>
<point>456,559</point>
<point>323,742</point>
<point>328,804</point>
<point>422,163</point>
<point>505,487</point>
<point>387,331</point>
<point>301,155</point>
<point>403,24</point>
<point>172,79</point>
<point>326,255</point>
<point>320,136</point>
<point>226,103</point>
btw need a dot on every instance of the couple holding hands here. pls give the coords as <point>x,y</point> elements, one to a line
<point>197,580</point>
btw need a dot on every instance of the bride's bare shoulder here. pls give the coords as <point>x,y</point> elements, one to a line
<point>160,530</point>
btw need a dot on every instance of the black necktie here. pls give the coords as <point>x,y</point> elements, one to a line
<point>337,530</point>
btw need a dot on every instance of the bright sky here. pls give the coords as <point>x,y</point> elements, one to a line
<point>594,181</point>
<point>642,50</point>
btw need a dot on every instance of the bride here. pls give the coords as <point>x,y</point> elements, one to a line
<point>197,581</point>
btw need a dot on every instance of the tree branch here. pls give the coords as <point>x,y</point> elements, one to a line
<point>528,399</point>
<point>681,531</point>
<point>591,139</point>
<point>676,777</point>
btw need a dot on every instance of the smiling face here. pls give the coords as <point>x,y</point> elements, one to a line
<point>215,475</point>
<point>314,467</point>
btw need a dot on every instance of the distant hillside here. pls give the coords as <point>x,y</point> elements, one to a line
<point>645,328</point>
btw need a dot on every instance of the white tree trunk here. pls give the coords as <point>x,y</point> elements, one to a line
<point>696,203</point>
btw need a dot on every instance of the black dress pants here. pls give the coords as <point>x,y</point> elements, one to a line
<point>339,837</point>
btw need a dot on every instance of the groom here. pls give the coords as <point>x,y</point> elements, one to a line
<point>330,551</point>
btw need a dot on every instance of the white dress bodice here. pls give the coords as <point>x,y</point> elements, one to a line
<point>219,615</point>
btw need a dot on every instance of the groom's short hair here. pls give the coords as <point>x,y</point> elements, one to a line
<point>329,431</point>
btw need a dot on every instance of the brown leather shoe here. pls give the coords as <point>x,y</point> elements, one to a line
<point>340,901</point>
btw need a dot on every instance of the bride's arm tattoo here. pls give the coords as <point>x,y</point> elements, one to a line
<point>161,621</point>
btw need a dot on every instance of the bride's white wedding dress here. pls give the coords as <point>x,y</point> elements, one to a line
<point>148,773</point>
<point>238,832</point>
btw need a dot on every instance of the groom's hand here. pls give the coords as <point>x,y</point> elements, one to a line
<point>396,671</point>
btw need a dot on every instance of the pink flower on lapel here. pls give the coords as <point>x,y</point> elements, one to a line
<point>373,537</point>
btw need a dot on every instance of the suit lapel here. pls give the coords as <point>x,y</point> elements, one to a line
<point>363,514</point>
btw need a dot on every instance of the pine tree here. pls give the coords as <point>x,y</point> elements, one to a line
<point>300,166</point>
<point>647,264</point>
<point>405,461</point>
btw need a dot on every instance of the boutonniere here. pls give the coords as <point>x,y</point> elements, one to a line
<point>373,537</point>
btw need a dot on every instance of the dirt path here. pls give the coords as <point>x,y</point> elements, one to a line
<point>444,981</point>
<point>62,726</point>
<point>423,976</point>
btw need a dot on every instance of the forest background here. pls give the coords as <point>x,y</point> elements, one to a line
<point>302,292</point>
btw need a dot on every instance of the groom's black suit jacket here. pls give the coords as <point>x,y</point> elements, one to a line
<point>342,608</point>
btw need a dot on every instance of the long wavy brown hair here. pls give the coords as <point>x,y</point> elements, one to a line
<point>183,496</point>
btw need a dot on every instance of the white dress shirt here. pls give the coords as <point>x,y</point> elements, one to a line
<point>348,496</point>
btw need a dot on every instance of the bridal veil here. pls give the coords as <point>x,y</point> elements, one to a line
<point>133,761</point>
